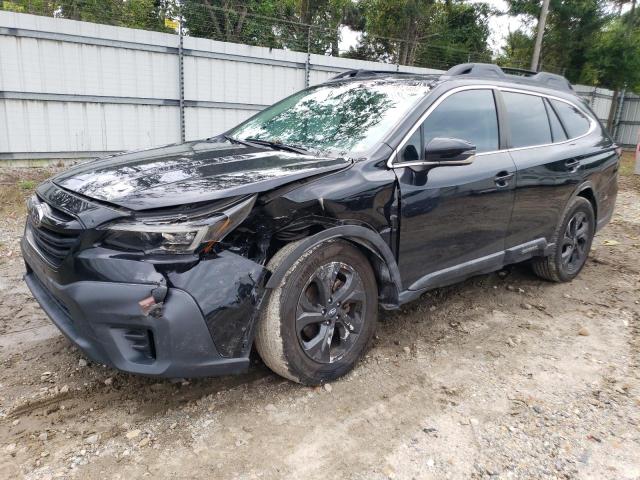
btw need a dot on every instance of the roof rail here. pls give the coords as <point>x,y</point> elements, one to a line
<point>489,70</point>
<point>366,73</point>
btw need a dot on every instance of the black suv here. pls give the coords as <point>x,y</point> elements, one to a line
<point>290,230</point>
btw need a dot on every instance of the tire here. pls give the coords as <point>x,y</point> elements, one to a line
<point>335,337</point>
<point>571,243</point>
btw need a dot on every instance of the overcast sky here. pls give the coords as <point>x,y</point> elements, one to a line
<point>500,24</point>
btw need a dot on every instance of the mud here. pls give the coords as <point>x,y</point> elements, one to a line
<point>502,376</point>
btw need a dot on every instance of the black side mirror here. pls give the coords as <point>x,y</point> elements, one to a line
<point>449,151</point>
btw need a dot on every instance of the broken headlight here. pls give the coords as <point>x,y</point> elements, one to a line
<point>163,235</point>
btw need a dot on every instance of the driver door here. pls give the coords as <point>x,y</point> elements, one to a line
<point>454,219</point>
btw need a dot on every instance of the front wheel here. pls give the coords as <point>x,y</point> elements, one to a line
<point>571,243</point>
<point>317,323</point>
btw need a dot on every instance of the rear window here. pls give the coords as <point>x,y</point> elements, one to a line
<point>528,120</point>
<point>574,121</point>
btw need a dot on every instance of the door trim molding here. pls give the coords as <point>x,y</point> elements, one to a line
<point>477,266</point>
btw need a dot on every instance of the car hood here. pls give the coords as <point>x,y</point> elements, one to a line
<point>190,172</point>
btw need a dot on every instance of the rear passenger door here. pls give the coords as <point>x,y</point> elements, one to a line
<point>454,218</point>
<point>548,167</point>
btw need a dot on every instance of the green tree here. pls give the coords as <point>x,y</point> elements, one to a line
<point>572,26</point>
<point>427,33</point>
<point>290,24</point>
<point>249,22</point>
<point>614,58</point>
<point>517,50</point>
<point>143,14</point>
<point>460,32</point>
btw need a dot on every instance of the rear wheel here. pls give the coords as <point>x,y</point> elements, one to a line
<point>317,323</point>
<point>572,243</point>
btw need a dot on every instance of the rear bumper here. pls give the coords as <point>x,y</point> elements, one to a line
<point>104,319</point>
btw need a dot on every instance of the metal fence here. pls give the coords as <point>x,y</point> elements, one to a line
<point>73,89</point>
<point>623,113</point>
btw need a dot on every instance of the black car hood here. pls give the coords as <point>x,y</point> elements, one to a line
<point>190,172</point>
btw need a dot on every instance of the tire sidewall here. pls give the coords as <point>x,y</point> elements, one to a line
<point>301,366</point>
<point>579,204</point>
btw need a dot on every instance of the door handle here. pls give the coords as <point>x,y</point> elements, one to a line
<point>572,164</point>
<point>502,179</point>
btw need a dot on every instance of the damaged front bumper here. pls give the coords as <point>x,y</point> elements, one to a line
<point>203,326</point>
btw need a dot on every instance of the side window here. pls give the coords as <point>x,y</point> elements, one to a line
<point>557,131</point>
<point>574,121</point>
<point>413,147</point>
<point>528,120</point>
<point>468,115</point>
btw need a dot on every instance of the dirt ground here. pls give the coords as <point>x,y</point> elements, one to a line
<point>502,376</point>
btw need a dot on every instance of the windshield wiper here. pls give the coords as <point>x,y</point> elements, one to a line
<point>237,140</point>
<point>277,145</point>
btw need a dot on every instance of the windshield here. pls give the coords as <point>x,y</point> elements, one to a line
<point>343,117</point>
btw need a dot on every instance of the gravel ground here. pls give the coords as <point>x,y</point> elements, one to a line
<point>502,376</point>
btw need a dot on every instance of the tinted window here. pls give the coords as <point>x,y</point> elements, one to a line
<point>575,123</point>
<point>528,120</point>
<point>557,132</point>
<point>469,115</point>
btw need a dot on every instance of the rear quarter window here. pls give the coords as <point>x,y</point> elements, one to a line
<point>574,121</point>
<point>528,121</point>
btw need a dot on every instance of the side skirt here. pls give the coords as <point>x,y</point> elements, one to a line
<point>478,266</point>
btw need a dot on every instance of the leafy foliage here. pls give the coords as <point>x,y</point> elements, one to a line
<point>589,41</point>
<point>584,40</point>
<point>422,32</point>
<point>614,58</point>
<point>143,14</point>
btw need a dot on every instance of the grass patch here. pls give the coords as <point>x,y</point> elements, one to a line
<point>627,164</point>
<point>27,185</point>
<point>16,185</point>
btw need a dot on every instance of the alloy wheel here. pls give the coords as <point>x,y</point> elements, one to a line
<point>329,314</point>
<point>575,242</point>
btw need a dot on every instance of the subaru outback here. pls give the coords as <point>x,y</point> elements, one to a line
<point>288,232</point>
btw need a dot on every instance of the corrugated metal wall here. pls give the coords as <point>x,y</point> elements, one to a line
<point>629,125</point>
<point>74,89</point>
<point>627,120</point>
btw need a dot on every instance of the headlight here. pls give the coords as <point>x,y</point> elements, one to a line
<point>167,235</point>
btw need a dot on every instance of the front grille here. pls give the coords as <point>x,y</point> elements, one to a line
<point>60,215</point>
<point>50,231</point>
<point>53,245</point>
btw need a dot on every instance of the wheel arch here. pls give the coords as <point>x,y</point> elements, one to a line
<point>366,240</point>
<point>587,191</point>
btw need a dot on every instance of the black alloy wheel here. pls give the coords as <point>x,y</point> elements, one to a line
<point>318,322</point>
<point>569,247</point>
<point>575,242</point>
<point>329,312</point>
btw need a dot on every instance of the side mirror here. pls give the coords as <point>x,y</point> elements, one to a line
<point>449,151</point>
